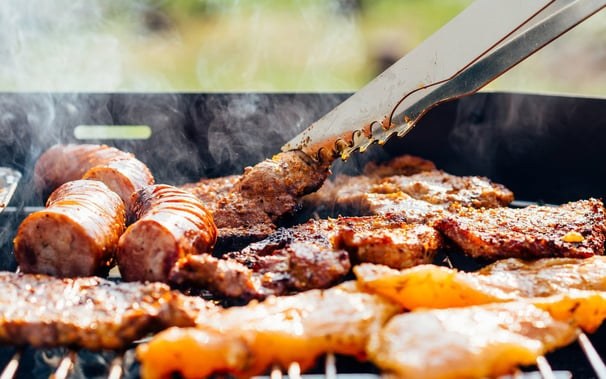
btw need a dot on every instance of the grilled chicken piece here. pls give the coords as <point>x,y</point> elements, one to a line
<point>75,235</point>
<point>315,254</point>
<point>575,229</point>
<point>89,312</point>
<point>430,286</point>
<point>246,341</point>
<point>171,224</point>
<point>246,207</point>
<point>471,342</point>
<point>119,170</point>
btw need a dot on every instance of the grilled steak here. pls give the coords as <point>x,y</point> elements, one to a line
<point>171,224</point>
<point>88,312</point>
<point>75,235</point>
<point>315,254</point>
<point>575,229</point>
<point>247,340</point>
<point>246,208</point>
<point>120,171</point>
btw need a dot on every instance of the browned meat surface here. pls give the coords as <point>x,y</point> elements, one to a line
<point>246,208</point>
<point>390,189</point>
<point>575,229</point>
<point>315,254</point>
<point>402,165</point>
<point>119,170</point>
<point>171,224</point>
<point>89,312</point>
<point>75,235</point>
<point>245,341</point>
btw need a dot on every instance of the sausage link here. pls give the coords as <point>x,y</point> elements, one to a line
<point>171,224</point>
<point>76,235</point>
<point>119,170</point>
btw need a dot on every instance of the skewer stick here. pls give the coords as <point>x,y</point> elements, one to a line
<point>11,368</point>
<point>592,355</point>
<point>276,372</point>
<point>545,368</point>
<point>115,370</point>
<point>64,367</point>
<point>294,371</point>
<point>330,367</point>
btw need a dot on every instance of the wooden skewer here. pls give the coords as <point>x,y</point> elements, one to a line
<point>545,368</point>
<point>11,368</point>
<point>115,370</point>
<point>330,367</point>
<point>294,371</point>
<point>276,372</point>
<point>65,366</point>
<point>592,355</point>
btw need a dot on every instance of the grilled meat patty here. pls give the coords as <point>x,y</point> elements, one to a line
<point>247,340</point>
<point>89,312</point>
<point>171,224</point>
<point>315,254</point>
<point>575,229</point>
<point>75,235</point>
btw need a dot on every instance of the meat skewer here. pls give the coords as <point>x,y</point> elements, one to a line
<point>119,170</point>
<point>75,235</point>
<point>171,224</point>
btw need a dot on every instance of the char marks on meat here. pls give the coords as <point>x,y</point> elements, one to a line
<point>89,312</point>
<point>246,207</point>
<point>576,229</point>
<point>315,254</point>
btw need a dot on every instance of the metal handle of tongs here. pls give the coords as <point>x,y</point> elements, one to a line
<point>553,20</point>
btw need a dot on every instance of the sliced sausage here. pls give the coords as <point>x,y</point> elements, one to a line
<point>75,235</point>
<point>171,224</point>
<point>119,170</point>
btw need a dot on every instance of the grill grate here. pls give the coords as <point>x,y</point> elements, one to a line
<point>116,370</point>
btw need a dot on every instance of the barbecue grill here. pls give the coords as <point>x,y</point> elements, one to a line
<point>546,148</point>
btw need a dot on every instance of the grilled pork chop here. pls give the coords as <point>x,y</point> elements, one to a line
<point>315,254</point>
<point>575,229</point>
<point>89,312</point>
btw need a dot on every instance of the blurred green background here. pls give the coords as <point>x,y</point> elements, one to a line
<point>246,45</point>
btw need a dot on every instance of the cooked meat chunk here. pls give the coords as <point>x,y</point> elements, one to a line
<point>315,254</point>
<point>75,235</point>
<point>575,229</point>
<point>247,340</point>
<point>374,194</point>
<point>289,260</point>
<point>171,224</point>
<point>246,208</point>
<point>119,170</point>
<point>89,312</point>
<point>430,286</point>
<point>470,342</point>
<point>402,165</point>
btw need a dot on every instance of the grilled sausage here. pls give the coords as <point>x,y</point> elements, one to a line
<point>171,224</point>
<point>120,171</point>
<point>76,235</point>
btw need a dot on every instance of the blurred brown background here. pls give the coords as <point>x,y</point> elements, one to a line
<point>246,45</point>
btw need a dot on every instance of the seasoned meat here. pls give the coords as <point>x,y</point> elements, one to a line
<point>315,254</point>
<point>89,312</point>
<point>247,340</point>
<point>75,235</point>
<point>430,286</point>
<point>422,196</point>
<point>575,229</point>
<point>246,208</point>
<point>289,260</point>
<point>470,342</point>
<point>119,170</point>
<point>171,224</point>
<point>401,165</point>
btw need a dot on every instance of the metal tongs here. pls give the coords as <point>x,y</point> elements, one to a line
<point>9,179</point>
<point>481,43</point>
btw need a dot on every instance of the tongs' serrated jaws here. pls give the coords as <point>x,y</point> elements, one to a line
<point>459,59</point>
